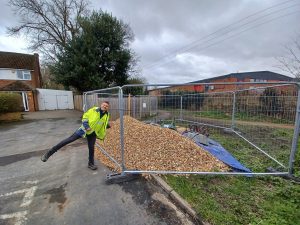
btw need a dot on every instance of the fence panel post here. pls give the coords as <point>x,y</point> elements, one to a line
<point>296,134</point>
<point>181,107</point>
<point>233,111</point>
<point>121,111</point>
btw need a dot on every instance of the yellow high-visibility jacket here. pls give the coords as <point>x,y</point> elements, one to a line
<point>97,124</point>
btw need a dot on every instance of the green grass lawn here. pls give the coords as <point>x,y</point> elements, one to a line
<point>246,200</point>
<point>276,142</point>
<point>240,200</point>
<point>241,116</point>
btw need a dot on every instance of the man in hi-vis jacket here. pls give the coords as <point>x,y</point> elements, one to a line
<point>94,125</point>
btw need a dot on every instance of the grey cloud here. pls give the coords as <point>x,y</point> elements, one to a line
<point>7,16</point>
<point>187,21</point>
<point>154,17</point>
<point>164,27</point>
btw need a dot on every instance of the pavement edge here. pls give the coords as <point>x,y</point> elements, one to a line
<point>179,201</point>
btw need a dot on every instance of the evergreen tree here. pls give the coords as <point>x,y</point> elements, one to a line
<point>98,57</point>
<point>135,90</point>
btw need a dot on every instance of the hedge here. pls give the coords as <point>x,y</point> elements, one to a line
<point>10,102</point>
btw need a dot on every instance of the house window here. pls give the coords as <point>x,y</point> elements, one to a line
<point>251,80</point>
<point>23,75</point>
<point>260,80</point>
<point>211,87</point>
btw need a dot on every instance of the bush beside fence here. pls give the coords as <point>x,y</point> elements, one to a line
<point>10,102</point>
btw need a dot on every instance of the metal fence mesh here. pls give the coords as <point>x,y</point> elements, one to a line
<point>254,123</point>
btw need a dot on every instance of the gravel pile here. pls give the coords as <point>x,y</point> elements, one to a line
<point>149,147</point>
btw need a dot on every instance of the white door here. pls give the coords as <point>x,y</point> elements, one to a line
<point>25,101</point>
<point>50,102</point>
<point>62,101</point>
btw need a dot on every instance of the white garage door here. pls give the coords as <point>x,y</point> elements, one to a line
<point>62,101</point>
<point>55,99</point>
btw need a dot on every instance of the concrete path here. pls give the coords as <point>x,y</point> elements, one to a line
<point>63,190</point>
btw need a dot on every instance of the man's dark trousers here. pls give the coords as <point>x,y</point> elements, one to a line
<point>91,139</point>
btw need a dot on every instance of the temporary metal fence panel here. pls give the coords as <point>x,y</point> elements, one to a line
<point>258,123</point>
<point>265,118</point>
<point>115,99</point>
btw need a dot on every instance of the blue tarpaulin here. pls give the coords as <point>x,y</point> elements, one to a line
<point>219,152</point>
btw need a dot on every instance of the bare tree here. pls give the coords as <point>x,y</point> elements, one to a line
<point>48,24</point>
<point>291,62</point>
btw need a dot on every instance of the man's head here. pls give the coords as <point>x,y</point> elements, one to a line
<point>104,106</point>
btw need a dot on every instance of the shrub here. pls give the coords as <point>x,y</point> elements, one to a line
<point>270,102</point>
<point>173,100</point>
<point>10,102</point>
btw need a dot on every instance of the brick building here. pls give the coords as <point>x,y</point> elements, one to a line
<point>21,73</point>
<point>259,76</point>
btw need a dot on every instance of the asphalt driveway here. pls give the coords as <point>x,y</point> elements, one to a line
<point>63,190</point>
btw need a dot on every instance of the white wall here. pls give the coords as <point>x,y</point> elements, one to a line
<point>49,99</point>
<point>9,74</point>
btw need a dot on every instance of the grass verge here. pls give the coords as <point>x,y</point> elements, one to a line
<point>240,200</point>
<point>245,200</point>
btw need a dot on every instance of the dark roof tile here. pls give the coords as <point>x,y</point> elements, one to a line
<point>16,86</point>
<point>261,75</point>
<point>16,60</point>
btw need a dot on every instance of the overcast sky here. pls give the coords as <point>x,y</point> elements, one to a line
<point>181,41</point>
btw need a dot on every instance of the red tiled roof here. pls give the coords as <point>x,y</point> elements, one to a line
<point>16,60</point>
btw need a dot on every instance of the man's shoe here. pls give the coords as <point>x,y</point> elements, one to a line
<point>46,156</point>
<point>92,166</point>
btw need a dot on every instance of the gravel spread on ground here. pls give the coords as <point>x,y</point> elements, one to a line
<point>149,147</point>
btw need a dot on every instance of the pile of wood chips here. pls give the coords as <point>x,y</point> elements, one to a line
<point>149,147</point>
